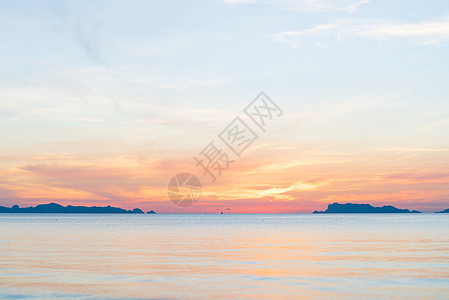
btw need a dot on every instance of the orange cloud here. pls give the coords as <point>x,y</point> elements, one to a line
<point>256,183</point>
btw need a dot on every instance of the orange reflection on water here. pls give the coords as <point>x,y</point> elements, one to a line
<point>240,256</point>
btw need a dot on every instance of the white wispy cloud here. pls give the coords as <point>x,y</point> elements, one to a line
<point>308,5</point>
<point>430,32</point>
<point>425,32</point>
<point>412,149</point>
<point>239,1</point>
<point>437,124</point>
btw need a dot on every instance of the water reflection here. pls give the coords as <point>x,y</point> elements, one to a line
<point>228,256</point>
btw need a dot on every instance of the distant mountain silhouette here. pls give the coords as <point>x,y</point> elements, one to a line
<point>55,208</point>
<point>446,211</point>
<point>151,212</point>
<point>349,208</point>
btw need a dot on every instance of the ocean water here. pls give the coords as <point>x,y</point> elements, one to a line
<point>344,256</point>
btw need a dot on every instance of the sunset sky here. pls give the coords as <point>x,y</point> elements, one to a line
<point>102,102</point>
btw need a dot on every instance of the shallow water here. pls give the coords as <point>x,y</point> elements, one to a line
<point>404,256</point>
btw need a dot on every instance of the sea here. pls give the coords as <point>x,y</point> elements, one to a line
<point>229,256</point>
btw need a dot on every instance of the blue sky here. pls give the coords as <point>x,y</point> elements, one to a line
<point>85,84</point>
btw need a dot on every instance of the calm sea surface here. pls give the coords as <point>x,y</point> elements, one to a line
<point>403,256</point>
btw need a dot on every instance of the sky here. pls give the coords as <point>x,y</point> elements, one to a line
<point>103,102</point>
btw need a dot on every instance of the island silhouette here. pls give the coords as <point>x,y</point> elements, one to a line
<point>56,208</point>
<point>351,208</point>
<point>446,211</point>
